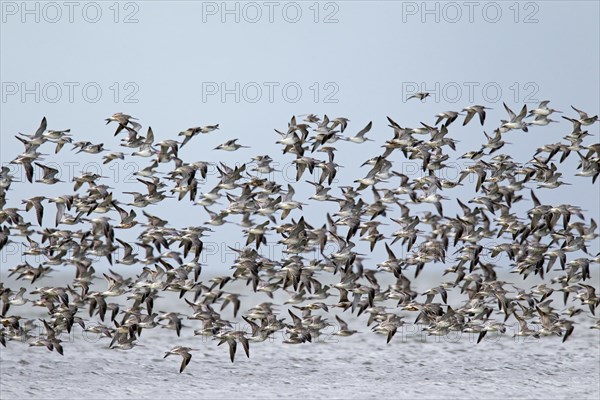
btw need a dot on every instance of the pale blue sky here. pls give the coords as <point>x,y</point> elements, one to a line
<point>366,61</point>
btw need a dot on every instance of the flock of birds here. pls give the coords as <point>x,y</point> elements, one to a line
<point>547,237</point>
